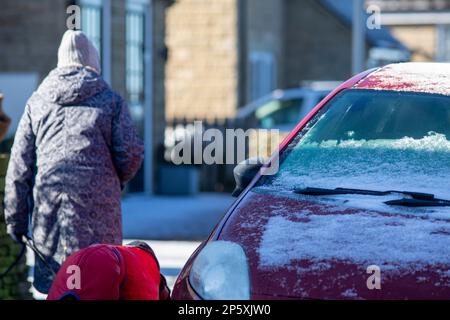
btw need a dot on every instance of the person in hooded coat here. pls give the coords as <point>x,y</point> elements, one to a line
<point>74,149</point>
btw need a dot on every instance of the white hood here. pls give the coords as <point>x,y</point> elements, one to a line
<point>76,49</point>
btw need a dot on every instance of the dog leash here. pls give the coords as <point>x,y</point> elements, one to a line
<point>28,242</point>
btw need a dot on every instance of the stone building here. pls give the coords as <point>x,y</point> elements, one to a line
<point>130,37</point>
<point>226,53</point>
<point>422,25</point>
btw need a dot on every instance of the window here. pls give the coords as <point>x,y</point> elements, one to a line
<point>135,46</point>
<point>443,43</point>
<point>261,74</point>
<point>91,21</point>
<point>96,24</point>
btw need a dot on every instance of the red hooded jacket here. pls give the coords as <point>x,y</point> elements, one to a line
<point>107,272</point>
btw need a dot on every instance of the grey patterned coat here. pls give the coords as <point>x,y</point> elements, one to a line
<point>74,147</point>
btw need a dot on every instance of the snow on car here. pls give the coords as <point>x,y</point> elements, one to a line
<point>360,206</point>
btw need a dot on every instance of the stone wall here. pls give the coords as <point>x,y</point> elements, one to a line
<point>210,43</point>
<point>421,40</point>
<point>201,74</point>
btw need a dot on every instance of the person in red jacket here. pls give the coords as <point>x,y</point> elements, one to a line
<point>109,272</point>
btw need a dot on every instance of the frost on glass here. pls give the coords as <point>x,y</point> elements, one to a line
<point>421,165</point>
<point>375,141</point>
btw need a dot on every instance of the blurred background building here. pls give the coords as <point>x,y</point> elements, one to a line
<point>224,54</point>
<point>422,25</point>
<point>229,63</point>
<point>180,60</point>
<point>129,35</point>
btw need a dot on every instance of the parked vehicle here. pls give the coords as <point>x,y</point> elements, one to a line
<point>360,205</point>
<point>283,109</point>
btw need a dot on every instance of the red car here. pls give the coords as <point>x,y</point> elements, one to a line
<point>360,205</point>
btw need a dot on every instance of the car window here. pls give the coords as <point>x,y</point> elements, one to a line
<point>369,139</point>
<point>279,112</point>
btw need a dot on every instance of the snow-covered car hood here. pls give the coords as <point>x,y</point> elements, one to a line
<point>321,248</point>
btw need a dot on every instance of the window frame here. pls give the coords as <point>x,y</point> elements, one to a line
<point>262,74</point>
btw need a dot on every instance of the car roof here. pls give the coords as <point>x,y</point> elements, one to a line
<point>426,77</point>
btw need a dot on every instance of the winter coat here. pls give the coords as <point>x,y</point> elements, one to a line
<point>74,148</point>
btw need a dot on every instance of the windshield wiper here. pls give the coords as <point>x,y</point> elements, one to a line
<point>323,192</point>
<point>419,202</point>
<point>418,199</point>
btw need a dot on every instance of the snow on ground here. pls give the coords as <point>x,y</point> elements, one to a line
<point>173,217</point>
<point>30,263</point>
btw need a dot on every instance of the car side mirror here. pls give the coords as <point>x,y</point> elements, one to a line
<point>244,173</point>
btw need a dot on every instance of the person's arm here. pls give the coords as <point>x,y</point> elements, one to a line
<point>127,147</point>
<point>19,177</point>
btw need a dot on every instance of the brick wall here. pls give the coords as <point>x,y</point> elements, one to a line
<point>201,74</point>
<point>210,42</point>
<point>421,40</point>
<point>30,32</point>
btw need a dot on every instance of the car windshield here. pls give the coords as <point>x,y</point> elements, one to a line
<point>367,139</point>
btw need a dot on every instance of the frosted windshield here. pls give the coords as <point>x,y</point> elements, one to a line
<point>376,140</point>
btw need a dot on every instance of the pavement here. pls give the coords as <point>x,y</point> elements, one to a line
<point>184,218</point>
